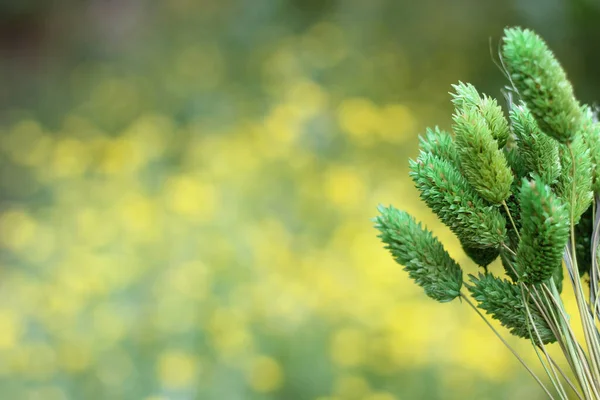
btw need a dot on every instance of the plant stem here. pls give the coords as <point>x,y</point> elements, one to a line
<point>512,221</point>
<point>508,346</point>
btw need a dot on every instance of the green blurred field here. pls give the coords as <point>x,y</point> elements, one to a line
<point>187,187</point>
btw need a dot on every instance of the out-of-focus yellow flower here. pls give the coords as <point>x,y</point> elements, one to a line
<point>381,396</point>
<point>308,98</point>
<point>360,118</point>
<point>140,217</point>
<point>177,369</point>
<point>17,229</point>
<point>348,347</point>
<point>69,158</point>
<point>190,197</point>
<point>265,374</point>
<point>344,187</point>
<point>398,123</point>
<point>351,387</point>
<point>74,357</point>
<point>10,328</point>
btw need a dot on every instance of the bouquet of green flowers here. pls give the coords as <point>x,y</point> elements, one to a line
<point>526,189</point>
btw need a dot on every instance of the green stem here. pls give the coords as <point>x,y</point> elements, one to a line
<point>512,221</point>
<point>508,346</point>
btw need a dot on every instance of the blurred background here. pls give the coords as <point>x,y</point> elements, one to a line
<point>187,188</point>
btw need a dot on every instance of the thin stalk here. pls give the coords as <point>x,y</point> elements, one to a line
<point>566,378</point>
<point>512,221</point>
<point>509,250</point>
<point>581,371</point>
<point>553,376</point>
<point>591,338</point>
<point>508,346</point>
<point>594,272</point>
<point>580,360</point>
<point>545,306</point>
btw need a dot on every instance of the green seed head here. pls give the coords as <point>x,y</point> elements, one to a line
<point>466,96</point>
<point>482,163</point>
<point>421,254</point>
<point>544,232</point>
<point>541,83</point>
<point>504,301</point>
<point>538,152</point>
<point>454,201</point>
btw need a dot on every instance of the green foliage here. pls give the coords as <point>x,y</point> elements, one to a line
<point>481,257</point>
<point>579,177</point>
<point>514,159</point>
<point>481,161</point>
<point>542,171</point>
<point>590,134</point>
<point>541,83</point>
<point>504,301</point>
<point>422,255</point>
<point>466,96</point>
<point>439,143</point>
<point>544,232</point>
<point>538,152</point>
<point>449,195</point>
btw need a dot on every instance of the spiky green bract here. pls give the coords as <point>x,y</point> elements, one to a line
<point>539,153</point>
<point>590,133</point>
<point>514,159</point>
<point>504,301</point>
<point>439,143</point>
<point>544,232</point>
<point>466,96</point>
<point>421,254</point>
<point>581,174</point>
<point>583,241</point>
<point>449,195</point>
<point>482,162</point>
<point>542,83</point>
<point>481,257</point>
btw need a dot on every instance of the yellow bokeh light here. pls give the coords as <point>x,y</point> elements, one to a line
<point>360,118</point>
<point>352,387</point>
<point>380,396</point>
<point>397,123</point>
<point>74,357</point>
<point>348,347</point>
<point>344,187</point>
<point>69,158</point>
<point>190,197</point>
<point>177,369</point>
<point>265,375</point>
<point>17,230</point>
<point>10,328</point>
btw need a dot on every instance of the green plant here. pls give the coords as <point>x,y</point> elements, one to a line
<point>524,188</point>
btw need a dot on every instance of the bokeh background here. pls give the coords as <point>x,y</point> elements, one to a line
<point>187,188</point>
